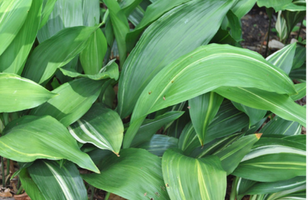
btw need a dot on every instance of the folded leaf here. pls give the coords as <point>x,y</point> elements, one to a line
<point>12,16</point>
<point>19,93</point>
<point>138,165</point>
<point>190,178</point>
<point>48,139</point>
<point>99,126</point>
<point>74,99</point>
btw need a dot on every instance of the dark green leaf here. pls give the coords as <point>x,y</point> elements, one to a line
<point>281,127</point>
<point>29,185</point>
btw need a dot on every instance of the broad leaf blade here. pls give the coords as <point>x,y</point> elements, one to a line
<point>176,33</point>
<point>19,93</point>
<point>137,165</point>
<point>91,12</point>
<point>190,178</point>
<point>49,177</point>
<point>14,57</point>
<point>12,16</point>
<point>100,126</point>
<point>55,52</point>
<point>48,139</point>
<point>48,6</point>
<point>255,115</point>
<point>280,126</point>
<point>202,111</point>
<point>29,185</point>
<point>242,7</point>
<point>74,99</point>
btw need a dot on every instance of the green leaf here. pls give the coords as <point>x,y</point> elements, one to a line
<point>235,26</point>
<point>111,70</point>
<point>202,111</point>
<point>29,185</point>
<point>12,17</point>
<point>120,27</point>
<point>176,82</point>
<point>281,26</point>
<point>283,58</point>
<point>14,57</point>
<point>138,165</point>
<point>47,57</point>
<point>48,6</point>
<point>91,12</point>
<point>19,93</point>
<point>232,155</point>
<point>299,57</point>
<point>280,126</point>
<point>190,178</point>
<point>74,99</point>
<point>280,104</point>
<point>242,7</point>
<point>280,5</point>
<point>255,115</point>
<point>58,182</point>
<point>300,90</point>
<point>92,56</point>
<point>48,139</point>
<point>150,127</point>
<point>101,127</point>
<point>273,159</point>
<point>159,144</point>
<point>176,33</point>
<point>295,193</point>
<point>128,6</point>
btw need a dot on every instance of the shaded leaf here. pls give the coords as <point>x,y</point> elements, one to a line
<point>281,127</point>
<point>280,5</point>
<point>255,115</point>
<point>48,6</point>
<point>242,7</point>
<point>29,185</point>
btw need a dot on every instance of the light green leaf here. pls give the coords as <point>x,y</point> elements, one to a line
<point>202,111</point>
<point>92,56</point>
<point>242,7</point>
<point>101,127</point>
<point>12,17</point>
<point>48,6</point>
<point>138,165</point>
<point>74,99</point>
<point>283,58</point>
<point>281,26</point>
<point>235,26</point>
<point>128,6</point>
<point>91,12</point>
<point>280,104</point>
<point>111,70</point>
<point>49,177</point>
<point>300,90</point>
<point>219,65</point>
<point>48,139</point>
<point>176,33</point>
<point>120,27</point>
<point>280,5</point>
<point>298,193</point>
<point>29,185</point>
<point>190,178</point>
<point>232,155</point>
<point>280,126</point>
<point>19,93</point>
<point>14,57</point>
<point>55,52</point>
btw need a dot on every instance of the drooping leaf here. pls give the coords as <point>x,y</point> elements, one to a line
<point>137,165</point>
<point>255,115</point>
<point>74,99</point>
<point>48,6</point>
<point>280,104</point>
<point>300,90</point>
<point>190,178</point>
<point>49,177</point>
<point>29,185</point>
<point>92,56</point>
<point>12,17</point>
<point>48,139</point>
<point>273,159</point>
<point>19,93</point>
<point>101,127</point>
<point>14,57</point>
<point>55,52</point>
<point>202,111</point>
<point>232,155</point>
<point>229,66</point>
<point>280,5</point>
<point>111,70</point>
<point>176,33</point>
<point>280,126</point>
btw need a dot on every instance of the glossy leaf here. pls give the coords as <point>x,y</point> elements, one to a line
<point>48,139</point>
<point>232,155</point>
<point>150,127</point>
<point>48,6</point>
<point>190,178</point>
<point>202,111</point>
<point>19,93</point>
<point>273,160</point>
<point>29,185</point>
<point>176,33</point>
<point>74,99</point>
<point>92,56</point>
<point>12,17</point>
<point>101,127</point>
<point>14,57</point>
<point>280,126</point>
<point>283,58</point>
<point>137,165</point>
<point>55,52</point>
<point>119,25</point>
<point>49,177</point>
<point>177,83</point>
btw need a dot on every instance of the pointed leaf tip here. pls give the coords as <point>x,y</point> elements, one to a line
<point>258,135</point>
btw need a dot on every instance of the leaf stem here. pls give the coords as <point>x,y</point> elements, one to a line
<point>270,14</point>
<point>107,196</point>
<point>3,172</point>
